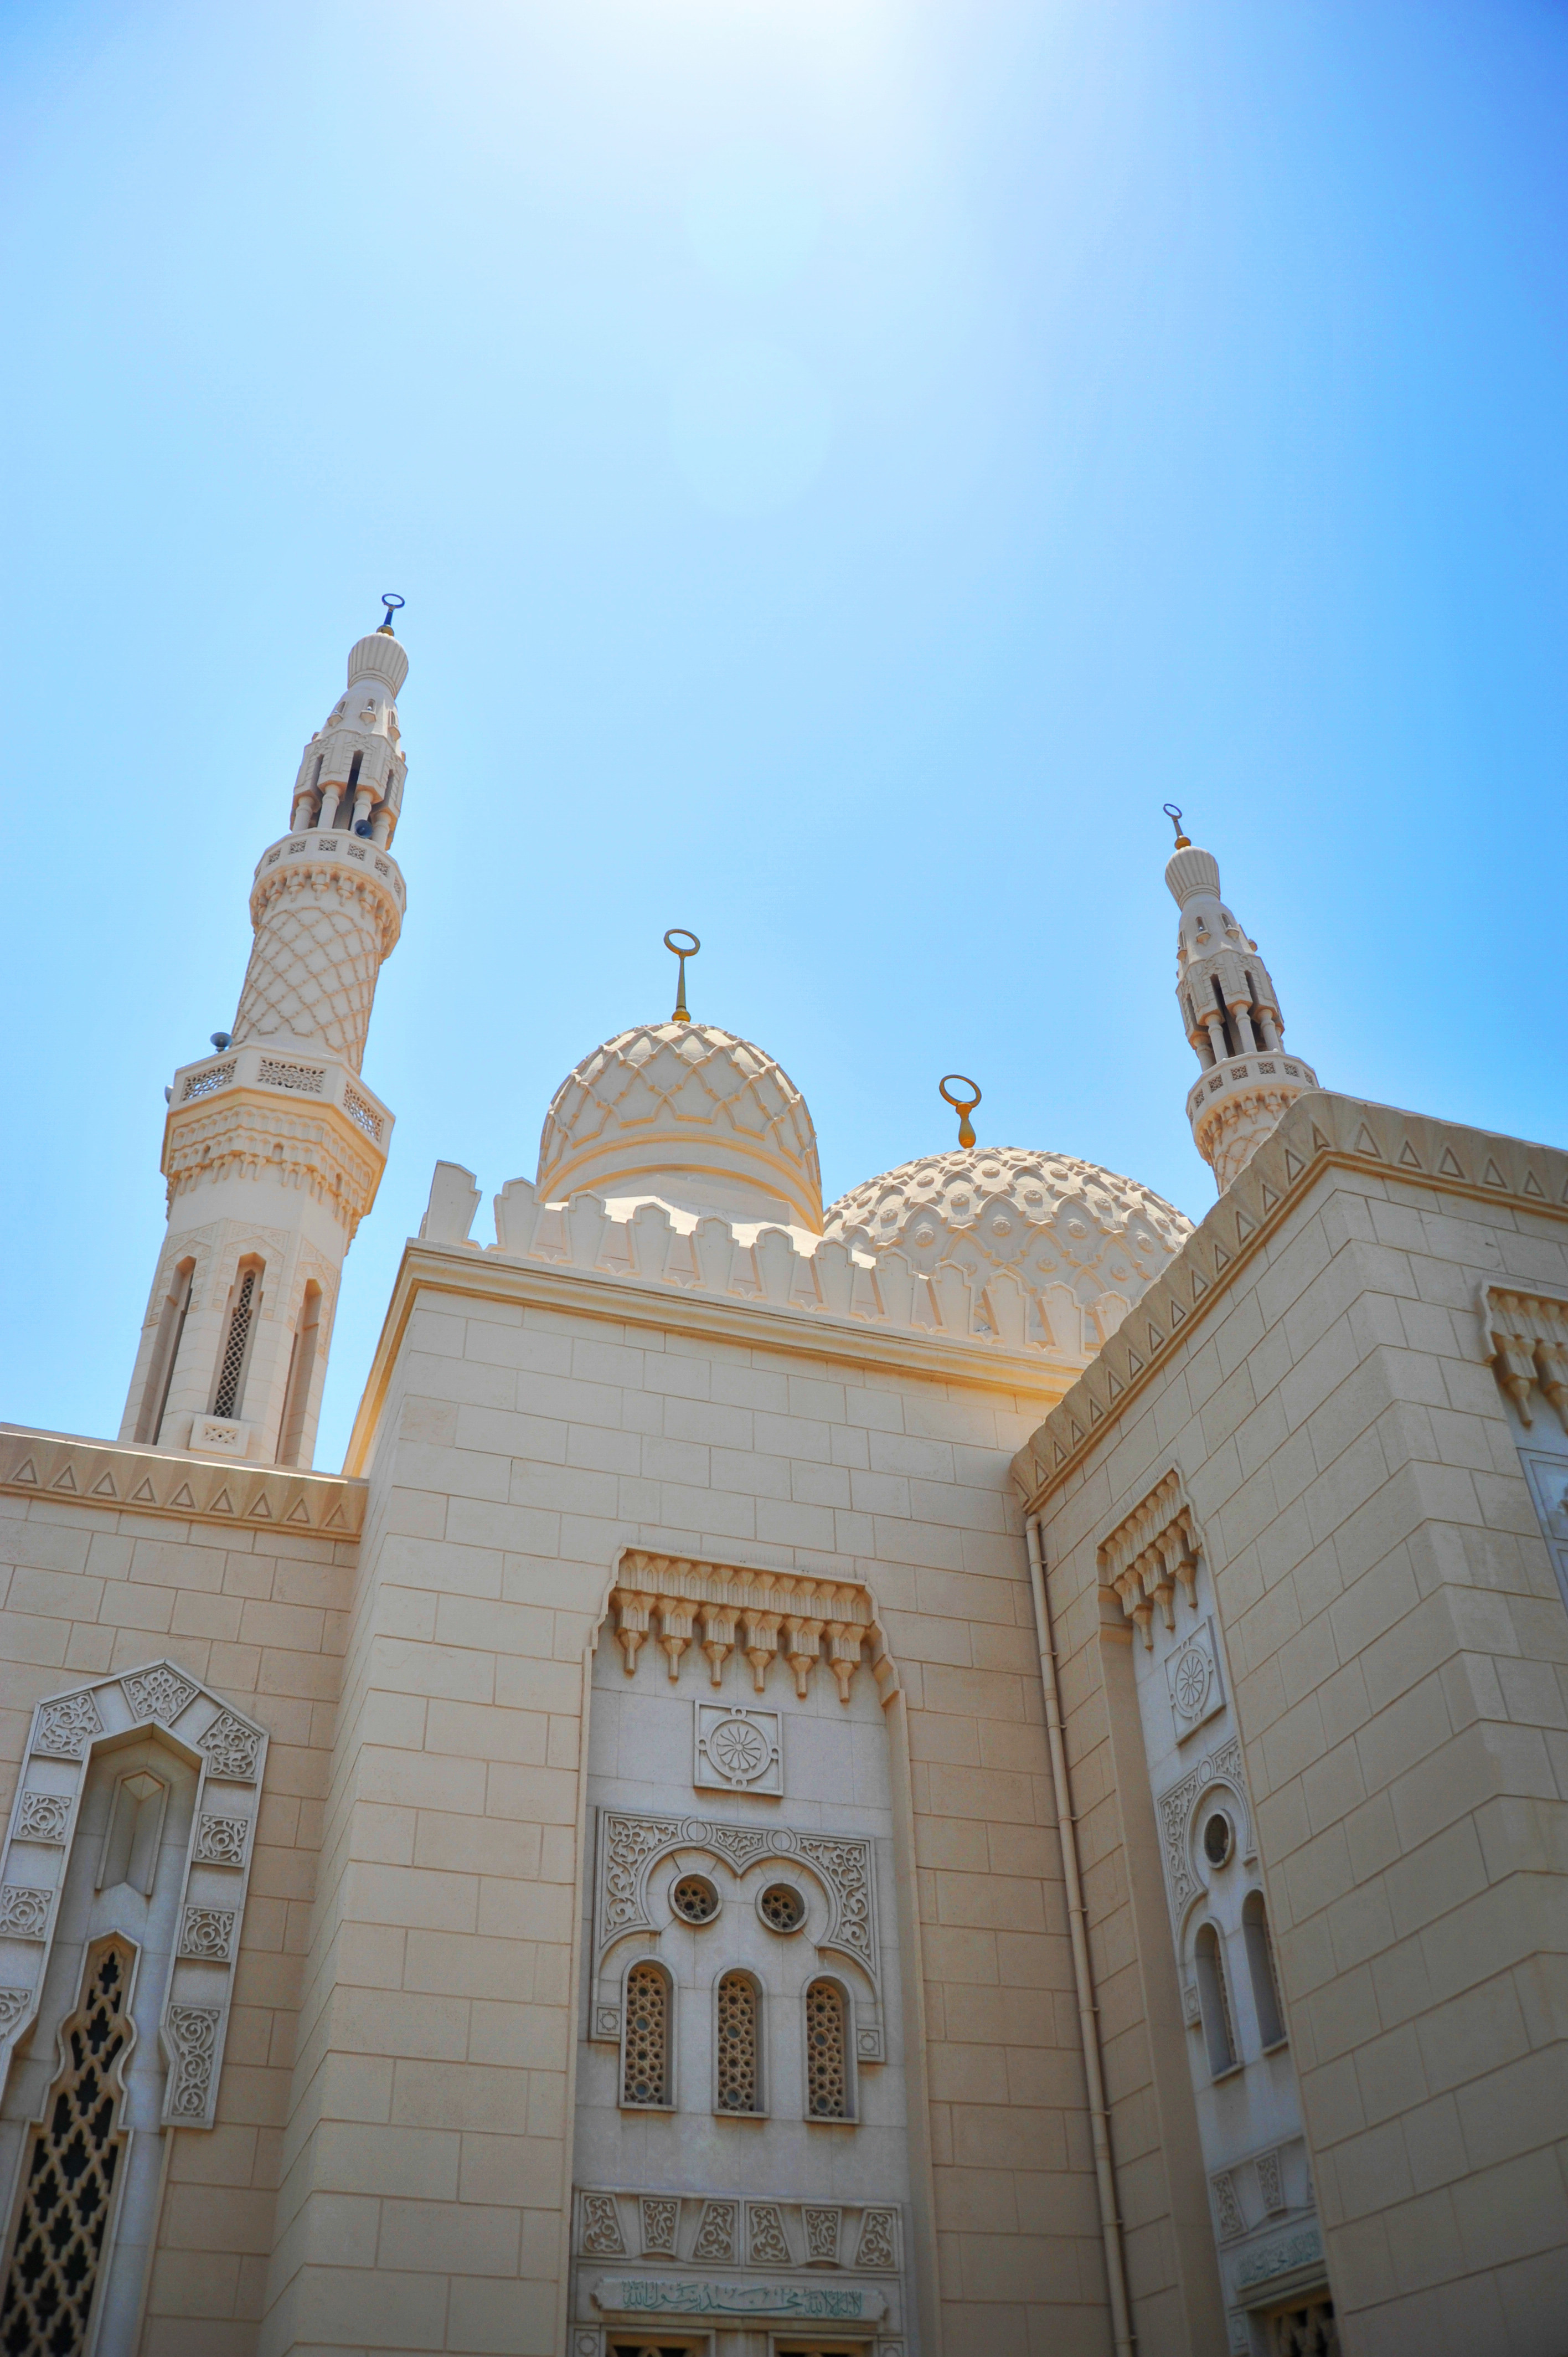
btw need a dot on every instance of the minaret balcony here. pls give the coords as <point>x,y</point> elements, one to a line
<point>275,1107</point>
<point>1270,1068</point>
<point>337,848</point>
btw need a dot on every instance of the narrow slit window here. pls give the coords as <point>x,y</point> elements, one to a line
<point>645,2064</point>
<point>301,1369</point>
<point>1214,2000</point>
<point>827,2053</point>
<point>165,1352</point>
<point>738,2087</point>
<point>1262,1970</point>
<point>229,1389</point>
<point>1232,1047</point>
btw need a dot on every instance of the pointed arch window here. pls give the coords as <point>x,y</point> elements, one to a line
<point>1214,2001</point>
<point>1263,1972</point>
<point>646,2076</point>
<point>737,2045</point>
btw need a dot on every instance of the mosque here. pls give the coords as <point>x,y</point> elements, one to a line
<point>975,1771</point>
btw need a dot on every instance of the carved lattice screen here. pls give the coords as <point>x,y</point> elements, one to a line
<point>67,2194</point>
<point>827,2070</point>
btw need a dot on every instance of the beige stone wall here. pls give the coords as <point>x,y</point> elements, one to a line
<point>256,1612</point>
<point>522,1442</point>
<point>1399,1651</point>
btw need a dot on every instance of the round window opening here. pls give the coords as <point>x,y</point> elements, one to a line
<point>1219,1838</point>
<point>694,1898</point>
<point>781,1908</point>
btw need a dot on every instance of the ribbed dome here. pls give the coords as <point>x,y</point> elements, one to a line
<point>1047,1212</point>
<point>692,1116</point>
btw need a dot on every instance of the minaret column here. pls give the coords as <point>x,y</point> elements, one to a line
<point>273,1146</point>
<point>1239,1097</point>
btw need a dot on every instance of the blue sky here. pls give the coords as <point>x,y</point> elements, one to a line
<point>848,463</point>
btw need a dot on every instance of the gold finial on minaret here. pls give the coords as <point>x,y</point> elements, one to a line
<point>393,605</point>
<point>1183,842</point>
<point>671,944</point>
<point>963,1106</point>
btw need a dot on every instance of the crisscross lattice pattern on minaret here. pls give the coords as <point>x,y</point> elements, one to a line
<point>313,969</point>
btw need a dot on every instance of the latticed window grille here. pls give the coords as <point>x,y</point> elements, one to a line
<point>67,2184</point>
<point>1306,2331</point>
<point>233,1365</point>
<point>738,2073</point>
<point>827,2059</point>
<point>645,2071</point>
<point>782,1910</point>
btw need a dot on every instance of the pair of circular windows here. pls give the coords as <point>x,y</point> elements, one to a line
<point>695,1900</point>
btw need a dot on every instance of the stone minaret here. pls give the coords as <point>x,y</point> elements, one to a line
<point>274,1147</point>
<point>1231,1013</point>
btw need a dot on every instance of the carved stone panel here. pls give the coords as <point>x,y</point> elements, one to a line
<point>738,1750</point>
<point>1194,1683</point>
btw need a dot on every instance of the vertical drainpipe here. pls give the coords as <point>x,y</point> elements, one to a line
<point>1099,2117</point>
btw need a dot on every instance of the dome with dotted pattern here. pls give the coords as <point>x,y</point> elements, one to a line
<point>1049,1215</point>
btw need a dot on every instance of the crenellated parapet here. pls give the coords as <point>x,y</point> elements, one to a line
<point>1072,1255</point>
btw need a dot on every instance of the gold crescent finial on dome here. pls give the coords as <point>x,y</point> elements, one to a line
<point>671,944</point>
<point>1183,842</point>
<point>963,1106</point>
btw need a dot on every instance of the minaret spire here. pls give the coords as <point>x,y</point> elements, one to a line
<point>274,1147</point>
<point>1231,1013</point>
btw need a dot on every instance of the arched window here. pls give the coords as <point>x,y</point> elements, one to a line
<point>1214,2001</point>
<point>737,2071</point>
<point>301,1367</point>
<point>229,1390</point>
<point>827,2052</point>
<point>645,2080</point>
<point>1260,1971</point>
<point>165,1350</point>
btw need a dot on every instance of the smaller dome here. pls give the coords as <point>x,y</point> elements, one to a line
<point>691,1115</point>
<point>1049,1215</point>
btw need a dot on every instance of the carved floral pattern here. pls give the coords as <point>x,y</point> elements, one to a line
<point>1228,2208</point>
<point>68,1726</point>
<point>661,2215</point>
<point>1175,1810</point>
<point>766,2243</point>
<point>159,1693</point>
<point>878,2245</point>
<point>221,1841</point>
<point>24,1912</point>
<point>629,1845</point>
<point>208,1933</point>
<point>715,2235</point>
<point>823,2233</point>
<point>231,1748</point>
<point>193,2035</point>
<point>43,1817</point>
<point>601,2227</point>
